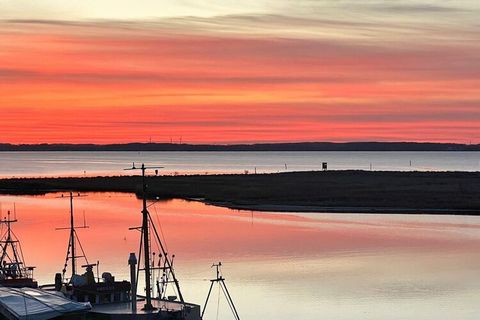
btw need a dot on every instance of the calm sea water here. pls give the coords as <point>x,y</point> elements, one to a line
<point>113,163</point>
<point>277,265</point>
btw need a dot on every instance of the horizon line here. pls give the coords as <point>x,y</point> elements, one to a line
<point>235,143</point>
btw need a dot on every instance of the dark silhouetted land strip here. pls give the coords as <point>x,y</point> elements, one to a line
<point>331,191</point>
<point>300,146</point>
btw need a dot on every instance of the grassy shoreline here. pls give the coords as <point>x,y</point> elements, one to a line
<point>314,191</point>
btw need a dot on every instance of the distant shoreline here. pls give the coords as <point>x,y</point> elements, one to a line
<point>300,146</point>
<point>311,191</point>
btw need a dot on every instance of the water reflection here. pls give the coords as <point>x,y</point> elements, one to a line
<point>278,266</point>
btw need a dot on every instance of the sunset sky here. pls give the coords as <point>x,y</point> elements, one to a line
<point>222,71</point>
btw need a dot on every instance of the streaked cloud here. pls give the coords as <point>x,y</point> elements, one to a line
<point>288,71</point>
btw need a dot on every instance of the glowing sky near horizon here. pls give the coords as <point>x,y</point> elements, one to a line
<point>251,71</point>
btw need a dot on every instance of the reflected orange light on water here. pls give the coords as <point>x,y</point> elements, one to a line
<point>195,231</point>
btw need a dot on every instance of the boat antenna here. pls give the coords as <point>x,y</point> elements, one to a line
<point>221,282</point>
<point>72,250</point>
<point>145,241</point>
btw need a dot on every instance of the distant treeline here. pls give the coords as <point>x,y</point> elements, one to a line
<point>301,146</point>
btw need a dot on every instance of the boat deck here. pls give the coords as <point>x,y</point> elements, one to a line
<point>163,310</point>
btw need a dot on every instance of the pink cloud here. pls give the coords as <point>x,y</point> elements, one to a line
<point>95,83</point>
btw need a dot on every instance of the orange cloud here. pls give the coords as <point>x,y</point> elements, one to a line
<point>103,83</point>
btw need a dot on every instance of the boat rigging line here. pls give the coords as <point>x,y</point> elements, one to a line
<point>73,241</point>
<point>221,283</point>
<point>145,249</point>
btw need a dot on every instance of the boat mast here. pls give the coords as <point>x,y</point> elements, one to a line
<point>145,231</point>
<point>9,240</point>
<point>72,247</point>
<point>72,236</point>
<point>12,264</point>
<point>221,281</point>
<point>12,243</point>
<point>146,244</point>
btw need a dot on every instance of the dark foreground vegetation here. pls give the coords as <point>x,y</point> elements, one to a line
<point>331,191</point>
